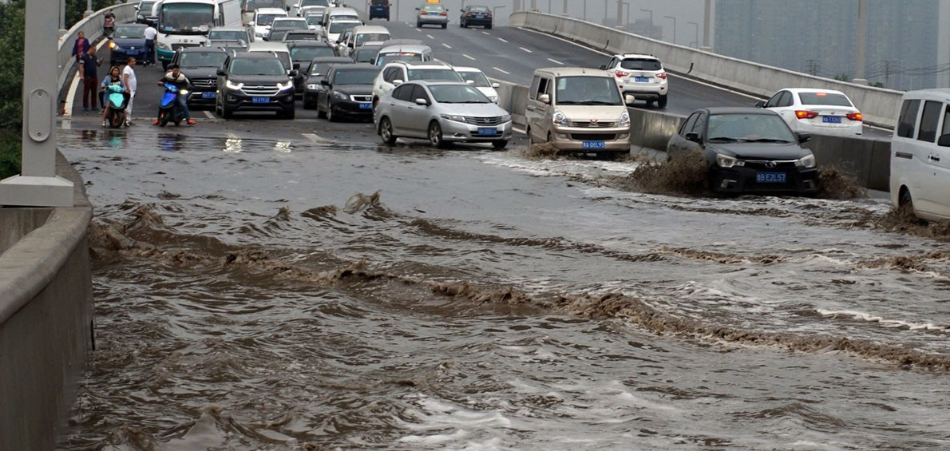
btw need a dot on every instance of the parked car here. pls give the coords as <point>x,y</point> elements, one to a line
<point>476,15</point>
<point>578,110</point>
<point>348,92</point>
<point>442,113</point>
<point>302,7</point>
<point>316,72</point>
<point>255,82</point>
<point>379,9</point>
<point>127,40</point>
<point>302,54</point>
<point>398,72</point>
<point>229,36</point>
<point>403,50</point>
<point>145,13</point>
<point>432,14</point>
<point>920,155</point>
<point>748,150</point>
<point>641,76</point>
<point>817,111</point>
<point>200,65</point>
<point>263,19</point>
<point>478,79</point>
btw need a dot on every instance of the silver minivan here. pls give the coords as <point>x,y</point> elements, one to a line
<point>578,110</point>
<point>920,155</point>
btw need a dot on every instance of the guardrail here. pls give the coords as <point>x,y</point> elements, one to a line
<point>879,106</point>
<point>92,27</point>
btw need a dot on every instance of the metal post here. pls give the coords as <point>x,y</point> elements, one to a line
<point>565,8</point>
<point>707,26</point>
<point>674,28</point>
<point>619,14</point>
<point>38,185</point>
<point>862,43</point>
<point>943,44</point>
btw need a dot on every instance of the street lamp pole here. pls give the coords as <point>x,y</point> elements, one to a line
<point>696,42</point>
<point>585,10</point>
<point>565,8</point>
<point>651,15</point>
<point>674,27</point>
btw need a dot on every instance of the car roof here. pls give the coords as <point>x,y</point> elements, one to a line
<point>229,29</point>
<point>370,29</point>
<point>201,50</point>
<point>810,90</point>
<point>437,83</point>
<point>405,48</point>
<point>574,71</point>
<point>267,46</point>
<point>636,55</point>
<point>939,94</point>
<point>308,44</point>
<point>420,64</point>
<point>270,11</point>
<point>352,66</point>
<point>132,25</point>
<point>254,55</point>
<point>290,19</point>
<point>331,59</point>
<point>468,69</point>
<point>403,42</point>
<point>738,110</point>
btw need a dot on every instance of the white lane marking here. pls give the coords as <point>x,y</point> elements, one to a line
<point>68,107</point>
<point>446,45</point>
<point>208,113</point>
<point>313,137</point>
<point>502,40</point>
<point>469,57</point>
<point>522,48</point>
<point>555,61</point>
<point>485,33</point>
<point>502,71</point>
<point>429,36</point>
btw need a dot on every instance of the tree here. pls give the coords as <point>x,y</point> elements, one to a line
<point>12,22</point>
<point>843,77</point>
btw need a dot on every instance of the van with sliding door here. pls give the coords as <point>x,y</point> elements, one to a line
<point>920,155</point>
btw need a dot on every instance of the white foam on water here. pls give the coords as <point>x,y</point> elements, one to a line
<point>889,323</point>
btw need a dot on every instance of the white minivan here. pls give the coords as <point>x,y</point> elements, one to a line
<point>920,155</point>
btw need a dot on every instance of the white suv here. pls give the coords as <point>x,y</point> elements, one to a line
<point>920,155</point>
<point>399,72</point>
<point>641,76</point>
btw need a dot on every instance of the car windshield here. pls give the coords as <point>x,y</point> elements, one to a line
<point>340,27</point>
<point>587,91</point>
<point>641,64</point>
<point>267,19</point>
<point>314,20</point>
<point>301,36</point>
<point>129,32</point>
<point>434,74</point>
<point>477,79</point>
<point>370,37</point>
<point>228,35</point>
<point>457,94</point>
<point>433,8</point>
<point>381,2</point>
<point>366,55</point>
<point>386,58</point>
<point>748,128</point>
<point>479,9</point>
<point>314,3</point>
<point>146,7</point>
<point>824,99</point>
<point>252,5</point>
<point>355,76</point>
<point>186,18</point>
<point>257,67</point>
<point>308,53</point>
<point>290,24</point>
<point>203,59</point>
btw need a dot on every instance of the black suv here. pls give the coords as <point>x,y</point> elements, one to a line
<point>302,53</point>
<point>349,92</point>
<point>316,72</point>
<point>255,82</point>
<point>200,65</point>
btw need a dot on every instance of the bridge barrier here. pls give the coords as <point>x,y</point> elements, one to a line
<point>879,106</point>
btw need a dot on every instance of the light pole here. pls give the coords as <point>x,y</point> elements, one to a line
<point>585,10</point>
<point>605,12</point>
<point>565,8</point>
<point>674,27</point>
<point>651,14</point>
<point>549,7</point>
<point>696,42</point>
<point>628,12</point>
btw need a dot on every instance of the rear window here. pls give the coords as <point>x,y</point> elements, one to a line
<point>824,99</point>
<point>908,119</point>
<point>434,74</point>
<point>479,9</point>
<point>381,2</point>
<point>641,64</point>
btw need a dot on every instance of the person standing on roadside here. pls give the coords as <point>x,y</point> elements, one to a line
<point>150,34</point>
<point>89,75</point>
<point>81,46</point>
<point>131,84</point>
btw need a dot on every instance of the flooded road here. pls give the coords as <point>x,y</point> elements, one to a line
<point>267,294</point>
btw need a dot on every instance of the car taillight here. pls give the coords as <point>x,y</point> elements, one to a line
<point>661,75</point>
<point>855,116</point>
<point>621,74</point>
<point>806,114</point>
<point>443,13</point>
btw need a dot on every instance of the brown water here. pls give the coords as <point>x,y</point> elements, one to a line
<point>265,295</point>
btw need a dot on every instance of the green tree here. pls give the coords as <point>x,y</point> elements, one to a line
<point>11,86</point>
<point>843,77</point>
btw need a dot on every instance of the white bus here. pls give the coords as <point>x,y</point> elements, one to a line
<point>185,23</point>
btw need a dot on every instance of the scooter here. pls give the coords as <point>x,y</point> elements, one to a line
<point>170,111</point>
<point>118,100</point>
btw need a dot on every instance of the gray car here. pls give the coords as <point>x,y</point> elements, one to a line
<point>432,14</point>
<point>442,113</point>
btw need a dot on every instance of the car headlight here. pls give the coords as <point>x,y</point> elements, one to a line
<point>140,17</point>
<point>453,117</point>
<point>560,119</point>
<point>114,46</point>
<point>231,85</point>
<point>312,86</point>
<point>163,46</point>
<point>625,120</point>
<point>807,161</point>
<point>506,118</point>
<point>285,86</point>
<point>340,96</point>
<point>494,99</point>
<point>725,161</point>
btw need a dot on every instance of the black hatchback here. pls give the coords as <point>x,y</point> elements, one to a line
<point>379,8</point>
<point>748,150</point>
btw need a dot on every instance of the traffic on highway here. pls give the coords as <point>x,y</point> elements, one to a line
<point>440,233</point>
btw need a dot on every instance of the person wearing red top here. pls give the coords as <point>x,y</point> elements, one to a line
<point>81,46</point>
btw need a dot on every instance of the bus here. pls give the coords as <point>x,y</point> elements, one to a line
<point>185,23</point>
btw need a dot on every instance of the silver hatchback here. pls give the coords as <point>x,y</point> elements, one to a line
<point>432,14</point>
<point>442,113</point>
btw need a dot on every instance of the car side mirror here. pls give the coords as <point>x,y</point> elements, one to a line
<point>603,67</point>
<point>693,137</point>
<point>422,102</point>
<point>803,138</point>
<point>629,99</point>
<point>325,82</point>
<point>397,82</point>
<point>496,85</point>
<point>760,104</point>
<point>221,72</point>
<point>544,98</point>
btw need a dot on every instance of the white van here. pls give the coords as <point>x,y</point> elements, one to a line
<point>578,110</point>
<point>920,155</point>
<point>263,19</point>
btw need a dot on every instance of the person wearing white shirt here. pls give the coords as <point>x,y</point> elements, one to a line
<point>128,76</point>
<point>150,34</point>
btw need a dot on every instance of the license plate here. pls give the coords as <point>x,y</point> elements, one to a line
<point>487,131</point>
<point>641,80</point>
<point>594,145</point>
<point>770,177</point>
<point>208,95</point>
<point>831,119</point>
<point>479,16</point>
<point>433,14</point>
<point>260,100</point>
<point>366,105</point>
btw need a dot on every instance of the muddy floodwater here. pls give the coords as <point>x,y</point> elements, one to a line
<point>286,295</point>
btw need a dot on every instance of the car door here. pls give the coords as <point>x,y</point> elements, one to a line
<point>535,110</point>
<point>418,115</point>
<point>398,109</point>
<point>940,157</point>
<point>677,143</point>
<point>930,195</point>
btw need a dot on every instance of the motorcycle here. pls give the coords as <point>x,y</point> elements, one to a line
<point>117,100</point>
<point>170,111</point>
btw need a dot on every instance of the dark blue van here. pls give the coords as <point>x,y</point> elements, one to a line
<point>379,8</point>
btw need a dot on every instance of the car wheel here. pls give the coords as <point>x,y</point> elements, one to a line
<point>164,65</point>
<point>662,103</point>
<point>163,120</point>
<point>461,24</point>
<point>418,24</point>
<point>330,116</point>
<point>435,135</point>
<point>550,138</point>
<point>500,145</point>
<point>905,202</point>
<point>527,131</point>
<point>226,112</point>
<point>445,25</point>
<point>289,113</point>
<point>386,131</point>
<point>488,27</point>
<point>308,104</point>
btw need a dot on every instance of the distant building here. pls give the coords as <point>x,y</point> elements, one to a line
<point>908,44</point>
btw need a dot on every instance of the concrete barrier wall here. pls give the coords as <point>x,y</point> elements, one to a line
<point>879,106</point>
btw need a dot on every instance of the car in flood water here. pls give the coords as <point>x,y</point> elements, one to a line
<point>920,155</point>
<point>748,151</point>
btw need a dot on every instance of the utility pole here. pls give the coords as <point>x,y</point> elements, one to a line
<point>862,43</point>
<point>707,26</point>
<point>565,8</point>
<point>620,14</point>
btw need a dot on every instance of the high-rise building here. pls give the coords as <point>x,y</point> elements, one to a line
<point>905,47</point>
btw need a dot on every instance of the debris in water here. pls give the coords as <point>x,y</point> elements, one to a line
<point>360,201</point>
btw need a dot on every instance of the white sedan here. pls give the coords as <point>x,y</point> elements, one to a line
<point>817,111</point>
<point>477,78</point>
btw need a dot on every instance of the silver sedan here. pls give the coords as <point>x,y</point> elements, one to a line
<point>442,113</point>
<point>432,14</point>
